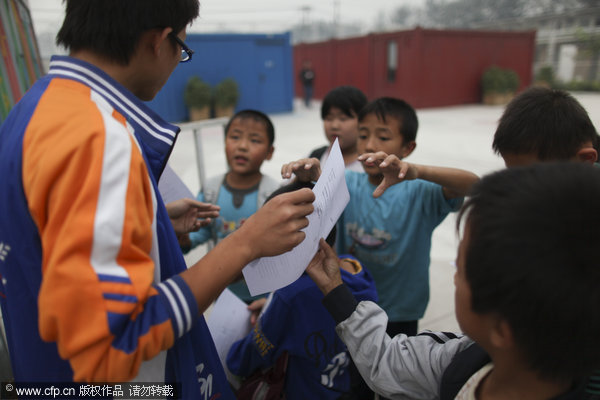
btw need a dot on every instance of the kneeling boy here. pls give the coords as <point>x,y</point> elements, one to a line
<point>527,258</point>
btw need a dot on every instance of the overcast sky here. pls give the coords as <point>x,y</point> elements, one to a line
<point>253,15</point>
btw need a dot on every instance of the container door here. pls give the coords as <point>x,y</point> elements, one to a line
<point>273,81</point>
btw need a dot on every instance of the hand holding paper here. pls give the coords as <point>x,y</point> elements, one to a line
<point>277,226</point>
<point>331,196</point>
<point>186,213</point>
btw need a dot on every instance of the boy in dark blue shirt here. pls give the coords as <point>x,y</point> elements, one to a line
<point>294,321</point>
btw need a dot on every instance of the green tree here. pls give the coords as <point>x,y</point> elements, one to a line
<point>588,45</point>
<point>401,15</point>
<point>466,13</point>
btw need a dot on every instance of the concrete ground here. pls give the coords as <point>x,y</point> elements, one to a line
<point>459,136</point>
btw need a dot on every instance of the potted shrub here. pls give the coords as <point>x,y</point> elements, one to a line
<point>492,85</point>
<point>499,85</point>
<point>197,98</point>
<point>226,95</point>
<point>545,77</point>
<point>512,82</point>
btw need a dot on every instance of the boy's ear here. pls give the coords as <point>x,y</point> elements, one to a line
<point>587,154</point>
<point>157,37</point>
<point>270,153</point>
<point>408,148</point>
<point>501,335</point>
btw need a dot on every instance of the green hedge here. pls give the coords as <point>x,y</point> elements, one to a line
<point>499,80</point>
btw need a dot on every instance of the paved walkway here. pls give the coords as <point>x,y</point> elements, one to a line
<point>458,136</point>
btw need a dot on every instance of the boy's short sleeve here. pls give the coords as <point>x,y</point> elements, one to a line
<point>433,200</point>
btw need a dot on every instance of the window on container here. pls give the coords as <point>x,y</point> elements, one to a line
<point>392,60</point>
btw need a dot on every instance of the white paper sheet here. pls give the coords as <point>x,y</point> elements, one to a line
<point>331,197</point>
<point>171,187</point>
<point>228,322</point>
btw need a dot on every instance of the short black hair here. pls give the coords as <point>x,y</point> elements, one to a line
<point>296,185</point>
<point>549,123</point>
<point>348,99</point>
<point>256,116</point>
<point>532,258</point>
<point>386,107</point>
<point>112,28</point>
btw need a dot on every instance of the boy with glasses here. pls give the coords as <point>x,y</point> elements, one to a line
<point>94,285</point>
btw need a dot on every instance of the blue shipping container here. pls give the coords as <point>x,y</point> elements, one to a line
<point>260,64</point>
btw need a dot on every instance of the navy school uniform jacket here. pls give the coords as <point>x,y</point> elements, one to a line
<point>89,260</point>
<point>294,320</point>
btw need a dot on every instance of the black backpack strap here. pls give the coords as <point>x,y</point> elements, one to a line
<point>318,153</point>
<point>460,369</point>
<point>266,384</point>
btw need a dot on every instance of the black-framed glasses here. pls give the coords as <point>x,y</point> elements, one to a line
<point>186,52</point>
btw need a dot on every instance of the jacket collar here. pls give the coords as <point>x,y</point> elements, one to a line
<point>156,136</point>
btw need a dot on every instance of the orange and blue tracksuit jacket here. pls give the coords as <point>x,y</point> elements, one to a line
<point>89,260</point>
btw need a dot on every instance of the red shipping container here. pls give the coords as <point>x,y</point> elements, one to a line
<point>426,67</point>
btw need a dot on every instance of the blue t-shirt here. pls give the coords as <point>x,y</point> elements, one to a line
<point>391,236</point>
<point>294,320</point>
<point>230,218</point>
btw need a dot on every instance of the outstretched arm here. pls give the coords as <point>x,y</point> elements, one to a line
<point>107,272</point>
<point>274,229</point>
<point>399,367</point>
<point>455,182</point>
<point>324,268</point>
<point>255,308</point>
<point>189,215</point>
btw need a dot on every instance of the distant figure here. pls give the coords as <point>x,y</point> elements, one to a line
<point>307,77</point>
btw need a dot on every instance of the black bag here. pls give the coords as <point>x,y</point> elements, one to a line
<point>318,153</point>
<point>265,384</point>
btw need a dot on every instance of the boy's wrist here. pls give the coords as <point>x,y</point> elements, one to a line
<point>340,302</point>
<point>329,286</point>
<point>418,171</point>
<point>243,245</point>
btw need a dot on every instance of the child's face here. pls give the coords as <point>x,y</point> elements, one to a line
<point>247,146</point>
<point>339,126</point>
<point>375,135</point>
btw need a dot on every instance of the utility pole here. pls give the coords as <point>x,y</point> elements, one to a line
<point>305,18</point>
<point>336,17</point>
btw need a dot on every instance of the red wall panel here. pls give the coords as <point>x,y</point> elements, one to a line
<point>352,68</point>
<point>336,63</point>
<point>434,67</point>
